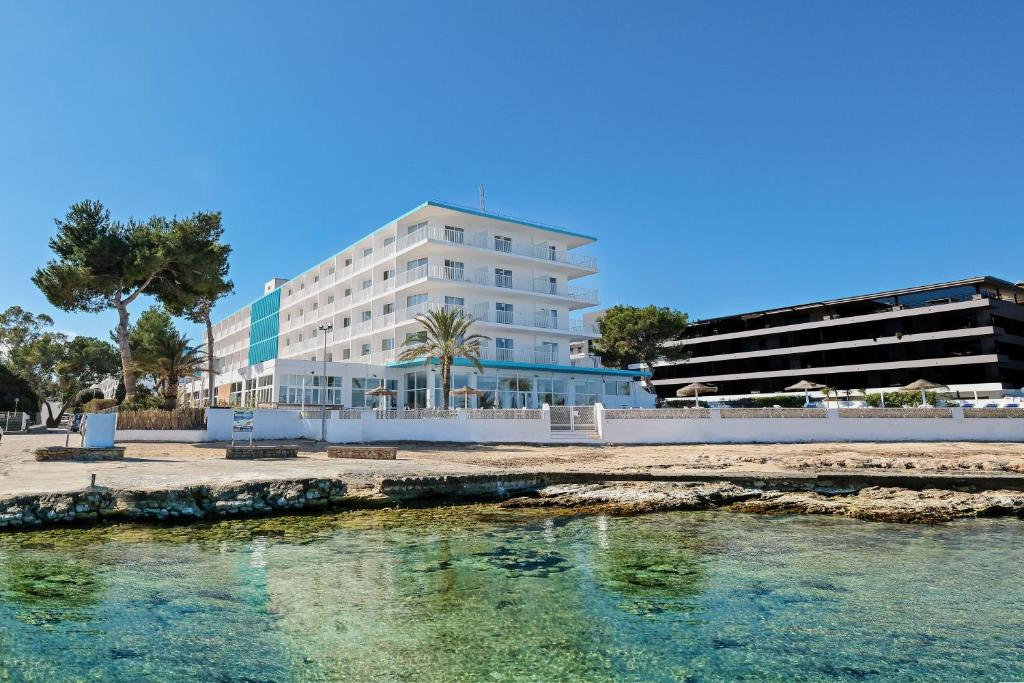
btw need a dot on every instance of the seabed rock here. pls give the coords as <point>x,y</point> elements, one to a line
<point>874,503</point>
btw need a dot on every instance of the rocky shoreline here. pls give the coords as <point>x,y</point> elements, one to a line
<point>874,503</point>
<point>883,498</point>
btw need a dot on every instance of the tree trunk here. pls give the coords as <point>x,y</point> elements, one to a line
<point>49,420</point>
<point>445,384</point>
<point>127,371</point>
<point>170,394</point>
<point>209,356</point>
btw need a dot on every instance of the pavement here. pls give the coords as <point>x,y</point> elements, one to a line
<point>174,465</point>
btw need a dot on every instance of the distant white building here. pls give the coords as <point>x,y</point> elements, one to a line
<point>516,278</point>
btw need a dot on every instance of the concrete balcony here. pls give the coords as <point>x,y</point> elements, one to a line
<point>490,242</point>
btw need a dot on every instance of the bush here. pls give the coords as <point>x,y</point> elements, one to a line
<point>98,405</point>
<point>144,402</point>
<point>120,392</point>
<point>899,399</point>
<point>784,400</point>
<point>86,395</point>
<point>14,387</point>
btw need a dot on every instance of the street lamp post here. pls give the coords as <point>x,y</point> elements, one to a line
<point>325,328</point>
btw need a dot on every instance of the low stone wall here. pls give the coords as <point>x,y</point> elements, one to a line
<point>362,452</point>
<point>97,504</point>
<point>260,452</point>
<point>76,454</point>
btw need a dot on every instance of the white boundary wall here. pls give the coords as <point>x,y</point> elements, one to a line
<point>365,427</point>
<point>829,427</point>
<point>613,426</point>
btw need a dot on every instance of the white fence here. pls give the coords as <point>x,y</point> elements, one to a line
<point>643,426</point>
<point>794,425</point>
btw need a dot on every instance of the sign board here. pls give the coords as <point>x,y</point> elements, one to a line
<point>242,421</point>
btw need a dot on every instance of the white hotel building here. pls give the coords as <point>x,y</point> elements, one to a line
<point>514,277</point>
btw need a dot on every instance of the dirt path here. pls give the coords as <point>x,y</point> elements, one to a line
<point>167,465</point>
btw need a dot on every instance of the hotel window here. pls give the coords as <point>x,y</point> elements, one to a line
<point>367,284</point>
<point>551,391</point>
<point>348,262</point>
<point>618,387</point>
<point>300,336</point>
<point>288,317</point>
<point>502,243</point>
<point>316,278</point>
<point>367,252</point>
<point>454,234</point>
<point>552,285</point>
<point>330,357</point>
<point>416,389</point>
<point>348,292</point>
<point>502,277</point>
<point>552,253</point>
<point>548,352</point>
<point>315,305</point>
<point>503,313</point>
<point>366,315</point>
<point>302,285</point>
<point>387,308</point>
<point>452,302</point>
<point>300,312</point>
<point>346,354</point>
<point>413,228</point>
<point>330,271</point>
<point>346,322</point>
<point>389,274</point>
<point>387,344</point>
<point>415,299</point>
<point>389,241</point>
<point>360,385</point>
<point>416,263</point>
<point>453,270</point>
<point>287,341</point>
<point>330,299</point>
<point>588,391</point>
<point>364,350</point>
<point>504,348</point>
<point>289,291</point>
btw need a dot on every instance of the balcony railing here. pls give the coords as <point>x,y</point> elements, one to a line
<point>485,313</point>
<point>485,240</point>
<point>487,277</point>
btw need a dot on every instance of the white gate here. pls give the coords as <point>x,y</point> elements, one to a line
<point>572,418</point>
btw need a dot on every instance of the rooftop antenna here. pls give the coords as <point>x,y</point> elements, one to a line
<point>483,201</point>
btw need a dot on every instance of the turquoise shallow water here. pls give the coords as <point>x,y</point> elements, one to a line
<point>478,593</point>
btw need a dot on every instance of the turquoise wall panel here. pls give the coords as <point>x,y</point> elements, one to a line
<point>264,325</point>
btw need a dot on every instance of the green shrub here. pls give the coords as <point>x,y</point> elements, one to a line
<point>899,399</point>
<point>784,400</point>
<point>97,405</point>
<point>144,402</point>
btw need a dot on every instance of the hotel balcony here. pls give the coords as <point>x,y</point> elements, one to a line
<point>489,241</point>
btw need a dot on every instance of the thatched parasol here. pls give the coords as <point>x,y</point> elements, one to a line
<point>465,392</point>
<point>923,385</point>
<point>695,390</point>
<point>805,386</point>
<point>382,391</point>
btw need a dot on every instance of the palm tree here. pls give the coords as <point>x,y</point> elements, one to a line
<point>171,358</point>
<point>445,336</point>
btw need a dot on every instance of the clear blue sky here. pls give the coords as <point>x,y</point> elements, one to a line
<point>729,156</point>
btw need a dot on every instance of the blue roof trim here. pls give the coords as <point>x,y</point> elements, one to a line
<point>569,369</point>
<point>501,217</point>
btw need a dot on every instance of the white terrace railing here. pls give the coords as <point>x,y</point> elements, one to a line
<point>486,240</point>
<point>485,313</point>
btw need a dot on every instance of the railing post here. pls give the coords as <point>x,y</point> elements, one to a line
<point>599,419</point>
